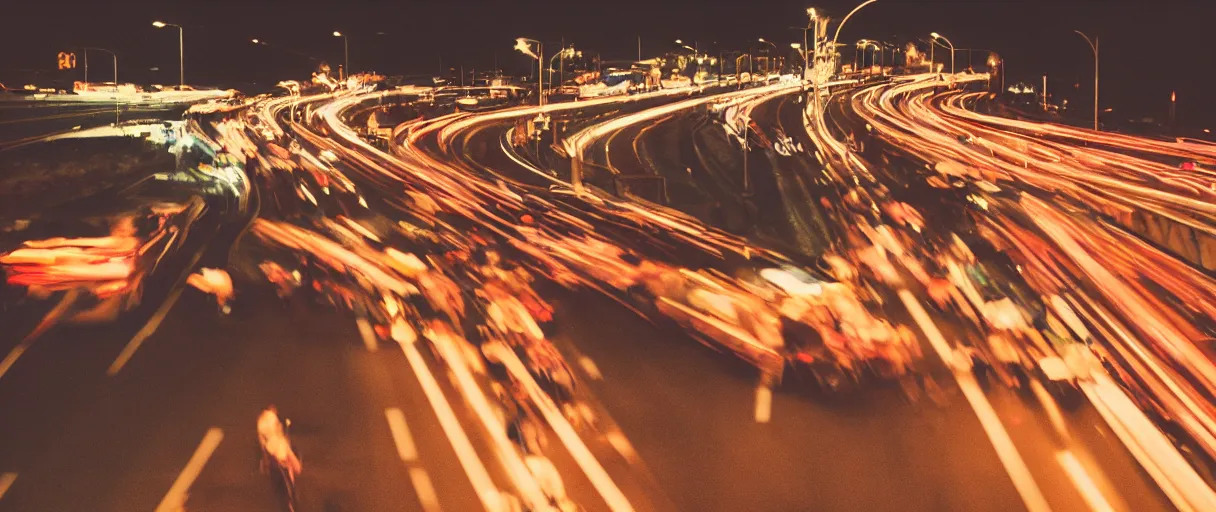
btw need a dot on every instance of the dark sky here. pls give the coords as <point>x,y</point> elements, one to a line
<point>1149,47</point>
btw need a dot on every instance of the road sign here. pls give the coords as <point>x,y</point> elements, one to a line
<point>67,60</point>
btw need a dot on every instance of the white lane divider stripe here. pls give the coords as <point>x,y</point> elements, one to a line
<point>6,481</point>
<point>426,491</point>
<point>507,451</point>
<point>368,334</point>
<point>764,404</point>
<point>616,500</point>
<point>401,434</point>
<point>1008,454</point>
<point>12,356</point>
<point>143,334</point>
<point>1089,491</point>
<point>175,499</point>
<point>474,469</point>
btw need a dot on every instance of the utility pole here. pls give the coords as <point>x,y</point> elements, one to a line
<point>1093,45</point>
<point>1044,92</point>
<point>639,48</point>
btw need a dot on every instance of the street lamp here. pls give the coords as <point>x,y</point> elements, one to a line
<point>1093,44</point>
<point>768,63</point>
<point>86,75</point>
<point>181,53</point>
<point>865,44</point>
<point>836,37</point>
<point>696,48</point>
<point>345,52</point>
<point>811,17</point>
<point>522,46</point>
<point>937,36</point>
<point>565,53</point>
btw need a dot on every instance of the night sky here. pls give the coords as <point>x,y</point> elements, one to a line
<point>1149,47</point>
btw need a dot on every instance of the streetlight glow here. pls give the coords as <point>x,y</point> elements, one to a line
<point>337,34</point>
<point>936,36</point>
<point>255,41</point>
<point>810,11</point>
<point>181,49</point>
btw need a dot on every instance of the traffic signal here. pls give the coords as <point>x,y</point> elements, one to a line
<point>67,60</point>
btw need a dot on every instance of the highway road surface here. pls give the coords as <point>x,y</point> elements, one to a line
<point>450,324</point>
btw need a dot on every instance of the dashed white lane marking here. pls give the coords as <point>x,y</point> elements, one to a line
<point>1089,491</point>
<point>426,491</point>
<point>622,445</point>
<point>1008,454</point>
<point>368,334</point>
<point>764,404</point>
<point>144,333</point>
<point>6,481</point>
<point>47,322</point>
<point>12,357</point>
<point>590,368</point>
<point>175,499</point>
<point>473,467</point>
<point>1052,408</point>
<point>401,434</point>
<point>600,480</point>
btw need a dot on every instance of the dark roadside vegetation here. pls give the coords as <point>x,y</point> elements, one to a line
<point>39,178</point>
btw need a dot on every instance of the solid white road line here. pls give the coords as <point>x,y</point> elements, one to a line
<point>426,491</point>
<point>1008,454</point>
<point>6,481</point>
<point>401,434</point>
<point>1089,491</point>
<point>368,334</point>
<point>175,499</point>
<point>474,469</point>
<point>764,404</point>
<point>144,333</point>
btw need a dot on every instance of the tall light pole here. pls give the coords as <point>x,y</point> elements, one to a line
<point>811,17</point>
<point>1093,45</point>
<point>521,45</point>
<point>115,56</point>
<point>696,48</point>
<point>846,20</point>
<point>345,53</point>
<point>695,53</point>
<point>181,52</point>
<point>937,36</point>
<point>768,63</point>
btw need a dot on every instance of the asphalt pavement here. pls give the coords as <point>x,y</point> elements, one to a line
<point>182,410</point>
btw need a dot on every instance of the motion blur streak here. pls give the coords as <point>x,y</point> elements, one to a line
<point>1149,309</point>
